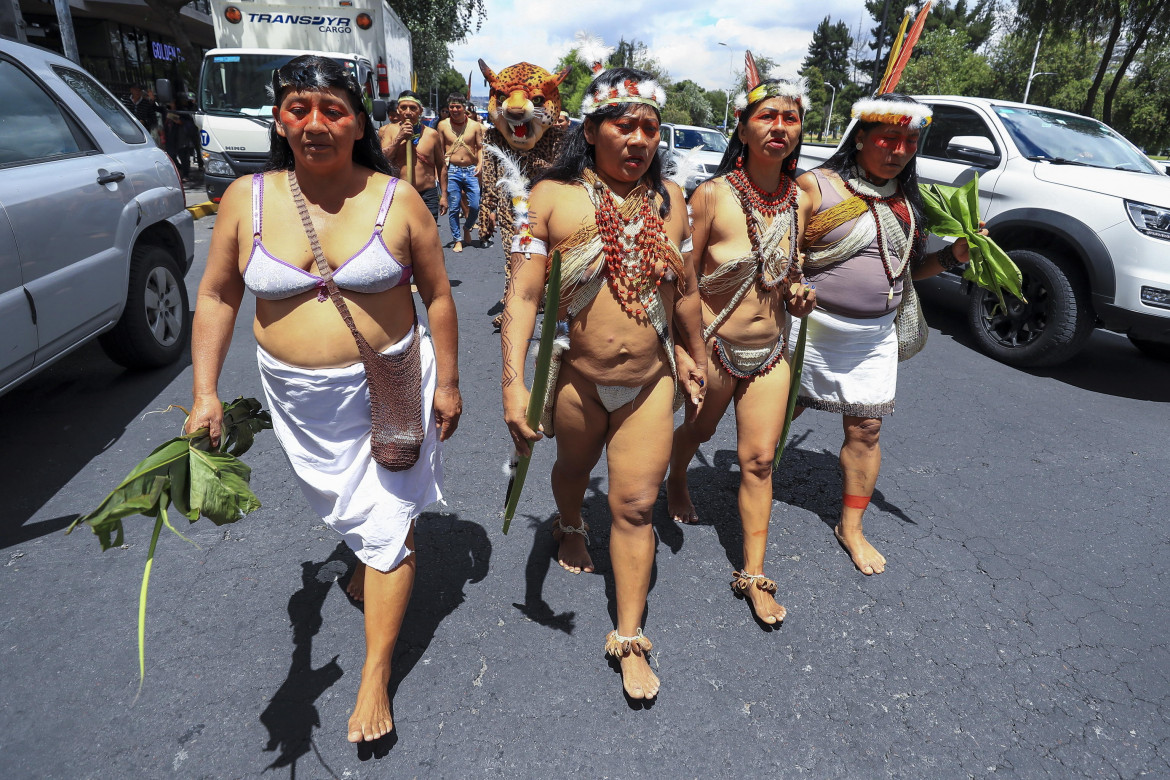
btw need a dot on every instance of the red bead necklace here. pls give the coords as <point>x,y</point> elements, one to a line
<point>752,199</point>
<point>634,273</point>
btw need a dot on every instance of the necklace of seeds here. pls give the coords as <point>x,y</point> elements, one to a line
<point>753,199</point>
<point>635,250</point>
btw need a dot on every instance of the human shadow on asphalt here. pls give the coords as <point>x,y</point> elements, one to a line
<point>806,479</point>
<point>291,714</point>
<point>450,554</point>
<point>59,420</point>
<point>1109,364</point>
<point>542,557</point>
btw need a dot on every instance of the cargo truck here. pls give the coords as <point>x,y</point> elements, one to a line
<point>254,38</point>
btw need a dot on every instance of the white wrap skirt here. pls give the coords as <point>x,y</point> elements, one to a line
<point>321,417</point>
<point>850,364</point>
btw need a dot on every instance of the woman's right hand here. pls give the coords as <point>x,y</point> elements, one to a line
<point>516,417</point>
<point>206,412</point>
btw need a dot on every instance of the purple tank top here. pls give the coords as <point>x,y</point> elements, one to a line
<point>856,287</point>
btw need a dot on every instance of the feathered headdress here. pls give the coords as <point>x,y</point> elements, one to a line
<point>795,90</point>
<point>903,46</point>
<point>898,112</point>
<point>593,52</point>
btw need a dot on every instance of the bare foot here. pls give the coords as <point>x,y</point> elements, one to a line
<point>678,500</point>
<point>357,583</point>
<point>573,552</point>
<point>458,247</point>
<point>637,678</point>
<point>371,715</point>
<point>765,606</point>
<point>865,556</point>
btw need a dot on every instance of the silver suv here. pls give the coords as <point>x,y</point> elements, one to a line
<point>95,237</point>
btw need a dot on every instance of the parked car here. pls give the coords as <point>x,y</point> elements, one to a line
<point>95,237</point>
<point>1081,211</point>
<point>678,145</point>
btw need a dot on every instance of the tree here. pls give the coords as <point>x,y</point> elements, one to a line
<point>828,52</point>
<point>977,21</point>
<point>434,25</point>
<point>632,54</point>
<point>690,99</point>
<point>451,82</point>
<point>1143,103</point>
<point>1067,55</point>
<point>946,65</point>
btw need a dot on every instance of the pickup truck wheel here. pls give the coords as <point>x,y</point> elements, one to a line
<point>1048,329</point>
<point>1155,349</point>
<point>153,330</point>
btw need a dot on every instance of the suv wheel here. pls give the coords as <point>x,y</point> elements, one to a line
<point>1050,328</point>
<point>153,329</point>
<point>1155,349</point>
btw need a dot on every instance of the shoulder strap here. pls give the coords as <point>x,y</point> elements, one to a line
<point>387,199</point>
<point>257,204</point>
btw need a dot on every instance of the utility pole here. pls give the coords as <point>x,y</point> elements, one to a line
<point>11,22</point>
<point>65,25</point>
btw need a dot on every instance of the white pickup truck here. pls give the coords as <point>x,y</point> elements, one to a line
<point>1082,212</point>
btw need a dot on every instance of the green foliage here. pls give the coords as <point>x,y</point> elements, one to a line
<point>1143,107</point>
<point>434,25</point>
<point>828,52</point>
<point>199,480</point>
<point>688,98</point>
<point>944,64</point>
<point>451,82</point>
<point>953,212</point>
<point>631,54</point>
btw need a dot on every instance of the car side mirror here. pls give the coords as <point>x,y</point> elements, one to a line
<point>381,111</point>
<point>163,92</point>
<point>975,149</point>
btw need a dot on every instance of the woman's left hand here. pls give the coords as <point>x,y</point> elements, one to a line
<point>802,299</point>
<point>448,407</point>
<point>694,381</point>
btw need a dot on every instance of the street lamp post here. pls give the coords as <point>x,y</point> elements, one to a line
<point>832,100</point>
<point>1032,71</point>
<point>727,103</point>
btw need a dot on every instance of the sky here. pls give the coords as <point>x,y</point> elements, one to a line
<point>683,35</point>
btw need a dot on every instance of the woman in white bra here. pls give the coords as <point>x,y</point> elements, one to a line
<point>375,236</point>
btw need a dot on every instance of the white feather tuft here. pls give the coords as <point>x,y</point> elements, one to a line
<point>741,101</point>
<point>911,10</point>
<point>592,49</point>
<point>685,167</point>
<point>513,182</point>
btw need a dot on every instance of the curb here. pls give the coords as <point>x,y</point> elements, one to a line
<point>203,209</point>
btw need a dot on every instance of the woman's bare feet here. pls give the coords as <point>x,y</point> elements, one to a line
<point>357,582</point>
<point>865,556</point>
<point>637,678</point>
<point>458,247</point>
<point>573,552</point>
<point>678,500</point>
<point>371,714</point>
<point>765,606</point>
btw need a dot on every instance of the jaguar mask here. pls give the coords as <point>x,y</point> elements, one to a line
<point>525,102</point>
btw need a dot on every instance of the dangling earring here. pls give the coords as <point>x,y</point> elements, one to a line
<point>739,162</point>
<point>859,146</point>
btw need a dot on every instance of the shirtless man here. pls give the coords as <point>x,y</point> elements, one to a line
<point>428,152</point>
<point>624,290</point>
<point>463,148</point>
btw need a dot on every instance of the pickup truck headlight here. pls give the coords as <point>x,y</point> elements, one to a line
<point>216,164</point>
<point>1152,220</point>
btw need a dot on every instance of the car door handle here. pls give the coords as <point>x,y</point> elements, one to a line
<point>109,177</point>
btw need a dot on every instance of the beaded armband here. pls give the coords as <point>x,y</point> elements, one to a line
<point>529,244</point>
<point>946,257</point>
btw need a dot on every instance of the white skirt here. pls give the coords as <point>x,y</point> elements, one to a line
<point>321,417</point>
<point>850,364</point>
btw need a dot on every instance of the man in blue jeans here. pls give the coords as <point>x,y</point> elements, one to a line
<point>463,148</point>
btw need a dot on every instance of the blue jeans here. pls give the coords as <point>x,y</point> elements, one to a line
<point>462,178</point>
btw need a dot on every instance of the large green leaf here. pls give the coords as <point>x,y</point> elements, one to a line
<point>953,212</point>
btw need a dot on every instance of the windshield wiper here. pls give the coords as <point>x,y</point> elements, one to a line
<point>1058,160</point>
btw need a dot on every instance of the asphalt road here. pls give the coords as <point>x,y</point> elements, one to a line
<point>1019,630</point>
